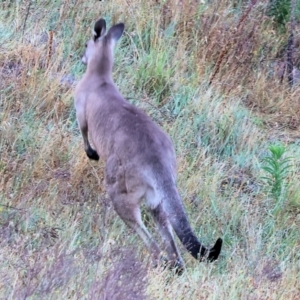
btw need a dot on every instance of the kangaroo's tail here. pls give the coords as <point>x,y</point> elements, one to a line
<point>182,228</point>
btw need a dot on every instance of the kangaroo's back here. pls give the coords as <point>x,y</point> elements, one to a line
<point>139,155</point>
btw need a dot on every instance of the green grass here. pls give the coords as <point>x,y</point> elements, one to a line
<point>59,235</point>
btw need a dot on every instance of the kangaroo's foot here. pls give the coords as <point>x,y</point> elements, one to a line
<point>177,265</point>
<point>92,154</point>
<point>215,250</point>
<point>179,268</point>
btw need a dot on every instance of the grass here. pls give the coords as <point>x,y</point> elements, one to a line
<point>223,104</point>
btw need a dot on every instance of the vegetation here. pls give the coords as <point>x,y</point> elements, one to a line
<point>213,75</point>
<point>277,168</point>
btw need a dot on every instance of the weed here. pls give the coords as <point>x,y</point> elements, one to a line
<point>280,11</point>
<point>278,169</point>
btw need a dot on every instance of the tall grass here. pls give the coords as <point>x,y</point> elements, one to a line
<point>59,236</point>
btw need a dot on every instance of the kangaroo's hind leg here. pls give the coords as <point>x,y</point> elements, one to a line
<point>165,229</point>
<point>81,119</point>
<point>131,215</point>
<point>126,191</point>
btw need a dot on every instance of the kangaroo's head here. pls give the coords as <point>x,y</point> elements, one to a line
<point>98,53</point>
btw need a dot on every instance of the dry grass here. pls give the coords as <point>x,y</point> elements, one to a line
<point>210,74</point>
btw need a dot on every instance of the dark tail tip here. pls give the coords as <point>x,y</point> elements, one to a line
<point>215,250</point>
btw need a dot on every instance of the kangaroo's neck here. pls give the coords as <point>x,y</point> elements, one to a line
<point>101,67</point>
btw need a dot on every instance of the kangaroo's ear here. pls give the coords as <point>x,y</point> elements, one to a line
<point>115,32</point>
<point>99,28</point>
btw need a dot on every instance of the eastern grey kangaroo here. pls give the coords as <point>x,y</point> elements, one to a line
<point>140,157</point>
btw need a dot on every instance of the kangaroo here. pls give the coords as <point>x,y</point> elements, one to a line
<point>140,157</point>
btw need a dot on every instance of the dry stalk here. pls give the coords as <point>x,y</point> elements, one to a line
<point>231,40</point>
<point>290,45</point>
<point>26,17</point>
<point>289,59</point>
<point>49,49</point>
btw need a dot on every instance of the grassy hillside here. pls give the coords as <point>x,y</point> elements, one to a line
<point>213,75</point>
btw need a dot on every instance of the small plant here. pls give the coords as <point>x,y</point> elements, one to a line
<point>280,11</point>
<point>278,169</point>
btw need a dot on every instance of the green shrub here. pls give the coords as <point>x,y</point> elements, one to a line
<point>279,10</point>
